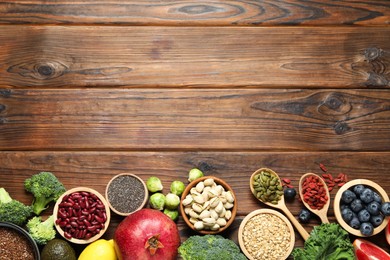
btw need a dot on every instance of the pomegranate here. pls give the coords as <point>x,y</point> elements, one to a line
<point>147,234</point>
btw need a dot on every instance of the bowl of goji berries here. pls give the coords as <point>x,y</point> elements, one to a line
<point>362,207</point>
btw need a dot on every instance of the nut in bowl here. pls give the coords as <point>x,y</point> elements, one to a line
<point>208,205</point>
<point>266,234</point>
<point>357,207</point>
<point>82,215</point>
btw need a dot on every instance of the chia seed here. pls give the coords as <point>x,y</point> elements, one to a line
<point>126,193</point>
<point>14,246</point>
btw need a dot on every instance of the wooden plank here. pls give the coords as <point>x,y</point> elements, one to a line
<point>204,13</point>
<point>193,119</point>
<point>94,169</point>
<point>74,56</point>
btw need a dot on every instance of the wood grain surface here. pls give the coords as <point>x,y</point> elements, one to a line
<point>91,89</point>
<point>171,119</point>
<point>91,56</point>
<point>201,12</point>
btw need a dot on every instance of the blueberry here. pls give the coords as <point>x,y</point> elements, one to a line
<point>376,220</point>
<point>364,215</point>
<point>356,205</point>
<point>344,206</point>
<point>385,208</point>
<point>358,189</point>
<point>377,198</point>
<point>289,194</point>
<point>374,208</point>
<point>347,214</point>
<point>304,216</point>
<point>348,196</point>
<point>367,195</point>
<point>355,223</point>
<point>366,228</point>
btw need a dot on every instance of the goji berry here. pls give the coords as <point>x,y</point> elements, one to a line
<point>323,168</point>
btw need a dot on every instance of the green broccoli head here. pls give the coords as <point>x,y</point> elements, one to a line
<point>210,247</point>
<point>46,188</point>
<point>12,210</point>
<point>41,232</point>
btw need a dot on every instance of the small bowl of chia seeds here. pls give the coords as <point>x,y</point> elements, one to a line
<point>126,193</point>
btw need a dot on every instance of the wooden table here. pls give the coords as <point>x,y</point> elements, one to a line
<point>93,89</point>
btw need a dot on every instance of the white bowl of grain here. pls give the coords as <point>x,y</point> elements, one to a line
<point>266,234</point>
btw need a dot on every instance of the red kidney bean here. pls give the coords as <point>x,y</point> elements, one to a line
<point>81,215</point>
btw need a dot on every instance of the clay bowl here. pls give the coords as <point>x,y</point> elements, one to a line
<point>89,215</point>
<point>189,189</point>
<point>24,235</point>
<point>337,203</point>
<point>128,199</point>
<point>285,251</point>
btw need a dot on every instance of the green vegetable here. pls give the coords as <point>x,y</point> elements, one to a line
<point>194,174</point>
<point>173,214</point>
<point>172,201</point>
<point>41,232</point>
<point>177,187</point>
<point>154,184</point>
<point>12,210</point>
<point>326,242</point>
<point>210,247</point>
<point>157,201</point>
<point>46,188</point>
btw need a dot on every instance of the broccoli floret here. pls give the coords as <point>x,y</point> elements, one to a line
<point>46,188</point>
<point>41,232</point>
<point>210,247</point>
<point>12,210</point>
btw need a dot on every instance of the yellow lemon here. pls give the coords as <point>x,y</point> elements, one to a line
<point>99,250</point>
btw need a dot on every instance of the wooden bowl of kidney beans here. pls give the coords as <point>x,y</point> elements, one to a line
<point>82,215</point>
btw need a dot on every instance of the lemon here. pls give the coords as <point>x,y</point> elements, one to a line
<point>99,250</point>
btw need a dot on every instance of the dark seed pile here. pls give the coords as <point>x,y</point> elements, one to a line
<point>14,246</point>
<point>126,193</point>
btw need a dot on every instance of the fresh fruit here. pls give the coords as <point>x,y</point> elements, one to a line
<point>374,208</point>
<point>364,215</point>
<point>367,195</point>
<point>147,234</point>
<point>376,220</point>
<point>304,216</point>
<point>355,223</point>
<point>289,194</point>
<point>385,208</point>
<point>366,228</point>
<point>365,250</point>
<point>358,189</point>
<point>348,196</point>
<point>347,214</point>
<point>57,249</point>
<point>101,249</point>
<point>356,205</point>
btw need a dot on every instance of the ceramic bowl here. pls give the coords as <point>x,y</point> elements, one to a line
<point>266,217</point>
<point>190,221</point>
<point>90,219</point>
<point>337,203</point>
<point>126,193</point>
<point>24,235</point>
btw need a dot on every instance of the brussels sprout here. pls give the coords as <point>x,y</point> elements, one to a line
<point>154,184</point>
<point>194,174</point>
<point>172,201</point>
<point>173,214</point>
<point>157,201</point>
<point>177,187</point>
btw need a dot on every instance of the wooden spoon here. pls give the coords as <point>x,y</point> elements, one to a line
<point>322,213</point>
<point>280,205</point>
